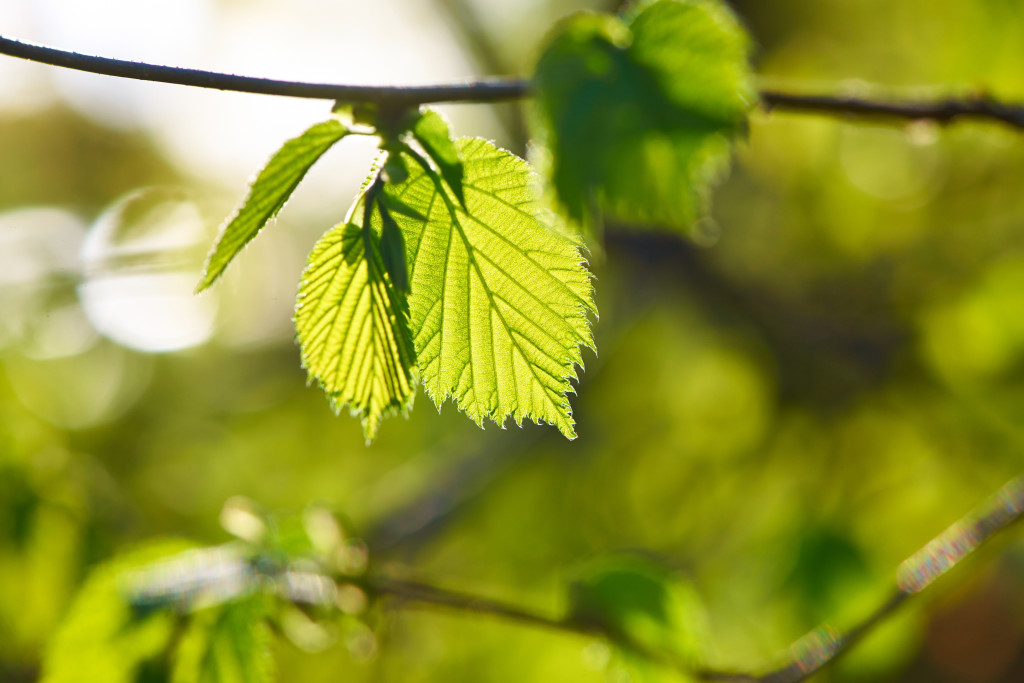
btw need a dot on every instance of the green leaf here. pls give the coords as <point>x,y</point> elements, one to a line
<point>269,192</point>
<point>499,299</point>
<point>226,644</point>
<point>639,114</point>
<point>431,131</point>
<point>103,638</point>
<point>643,604</point>
<point>352,326</point>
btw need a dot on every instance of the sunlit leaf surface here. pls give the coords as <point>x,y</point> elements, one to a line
<point>269,192</point>
<point>498,301</point>
<point>351,324</point>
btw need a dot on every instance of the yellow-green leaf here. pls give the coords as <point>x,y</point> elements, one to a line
<point>499,298</point>
<point>352,326</point>
<point>269,192</point>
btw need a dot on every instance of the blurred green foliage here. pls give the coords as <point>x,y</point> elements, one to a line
<point>786,407</point>
<point>636,114</point>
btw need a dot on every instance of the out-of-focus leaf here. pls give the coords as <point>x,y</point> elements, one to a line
<point>498,299</point>
<point>642,603</point>
<point>639,113</point>
<point>103,638</point>
<point>269,192</point>
<point>431,131</point>
<point>352,325</point>
<point>829,575</point>
<point>226,644</point>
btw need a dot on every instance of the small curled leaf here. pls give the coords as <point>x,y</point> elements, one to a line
<point>431,131</point>
<point>269,192</point>
<point>392,251</point>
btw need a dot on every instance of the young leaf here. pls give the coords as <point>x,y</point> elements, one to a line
<point>639,113</point>
<point>498,300</point>
<point>102,638</point>
<point>431,131</point>
<point>352,326</point>
<point>269,192</point>
<point>226,644</point>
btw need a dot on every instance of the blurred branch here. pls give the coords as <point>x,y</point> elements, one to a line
<point>820,354</point>
<point>809,653</point>
<point>415,592</point>
<point>823,645</point>
<point>496,90</point>
<point>224,573</point>
<point>416,522</point>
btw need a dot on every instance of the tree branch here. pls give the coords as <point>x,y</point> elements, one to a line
<point>487,90</point>
<point>426,594</point>
<point>497,90</point>
<point>938,111</point>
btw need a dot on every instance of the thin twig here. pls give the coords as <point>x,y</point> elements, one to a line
<point>496,90</point>
<point>938,111</point>
<point>413,592</point>
<point>486,90</point>
<point>426,594</point>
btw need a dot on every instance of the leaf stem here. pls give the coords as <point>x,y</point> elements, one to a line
<point>491,90</point>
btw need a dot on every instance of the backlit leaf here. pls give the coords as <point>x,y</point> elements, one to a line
<point>638,114</point>
<point>352,326</point>
<point>269,192</point>
<point>498,299</point>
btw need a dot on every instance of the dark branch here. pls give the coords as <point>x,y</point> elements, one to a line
<point>939,111</point>
<point>488,90</point>
<point>495,90</point>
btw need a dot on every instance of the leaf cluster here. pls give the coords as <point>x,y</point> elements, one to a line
<point>450,272</point>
